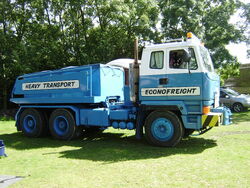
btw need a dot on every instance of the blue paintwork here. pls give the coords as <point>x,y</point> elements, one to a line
<point>181,105</point>
<point>162,129</point>
<point>208,82</point>
<point>95,117</point>
<point>121,114</point>
<point>61,125</point>
<point>130,125</point>
<point>192,121</point>
<point>115,124</point>
<point>122,125</point>
<point>29,123</point>
<point>127,100</point>
<point>190,106</point>
<point>93,85</point>
<point>211,84</point>
<point>174,80</point>
<point>113,115</point>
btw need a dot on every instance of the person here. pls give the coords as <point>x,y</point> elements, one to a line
<point>175,60</point>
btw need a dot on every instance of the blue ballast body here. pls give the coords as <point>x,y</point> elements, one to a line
<point>71,85</point>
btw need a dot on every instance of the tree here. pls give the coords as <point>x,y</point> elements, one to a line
<point>117,23</point>
<point>246,26</point>
<point>11,46</point>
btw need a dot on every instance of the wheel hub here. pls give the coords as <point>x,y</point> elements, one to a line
<point>162,129</point>
<point>30,123</point>
<point>61,125</point>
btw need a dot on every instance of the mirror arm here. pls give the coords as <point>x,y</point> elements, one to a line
<point>189,67</point>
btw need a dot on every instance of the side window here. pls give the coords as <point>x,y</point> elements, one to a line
<point>156,60</point>
<point>177,60</point>
<point>192,63</point>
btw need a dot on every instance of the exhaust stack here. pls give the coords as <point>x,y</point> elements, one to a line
<point>135,74</point>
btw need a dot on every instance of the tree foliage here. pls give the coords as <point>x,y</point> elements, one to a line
<point>246,25</point>
<point>208,20</point>
<point>38,35</point>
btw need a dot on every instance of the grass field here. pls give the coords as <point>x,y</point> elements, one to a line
<point>219,158</point>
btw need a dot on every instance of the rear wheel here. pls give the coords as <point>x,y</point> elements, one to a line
<point>32,123</point>
<point>163,128</point>
<point>62,124</point>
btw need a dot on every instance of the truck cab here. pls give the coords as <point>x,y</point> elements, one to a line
<point>179,77</point>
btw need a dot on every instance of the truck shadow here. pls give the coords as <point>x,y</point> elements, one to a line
<point>107,147</point>
<point>110,148</point>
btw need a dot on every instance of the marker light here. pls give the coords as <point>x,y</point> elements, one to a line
<point>206,110</point>
<point>189,35</point>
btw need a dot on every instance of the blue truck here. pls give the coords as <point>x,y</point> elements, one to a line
<point>172,92</point>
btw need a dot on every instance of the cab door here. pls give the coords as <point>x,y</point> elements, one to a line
<point>176,79</point>
<point>153,72</point>
<point>184,76</point>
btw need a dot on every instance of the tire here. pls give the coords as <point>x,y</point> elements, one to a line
<point>62,125</point>
<point>163,128</point>
<point>32,123</point>
<point>188,132</point>
<point>237,107</point>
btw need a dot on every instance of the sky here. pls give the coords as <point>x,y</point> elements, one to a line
<point>239,50</point>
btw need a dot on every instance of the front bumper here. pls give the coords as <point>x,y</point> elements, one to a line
<point>211,120</point>
<point>217,116</point>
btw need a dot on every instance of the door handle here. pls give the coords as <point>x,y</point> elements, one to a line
<point>163,81</point>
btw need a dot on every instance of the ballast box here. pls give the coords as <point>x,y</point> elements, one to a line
<point>83,84</point>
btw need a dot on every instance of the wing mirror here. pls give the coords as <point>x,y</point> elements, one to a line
<point>227,97</point>
<point>187,56</point>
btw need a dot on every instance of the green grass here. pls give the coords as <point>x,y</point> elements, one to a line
<point>219,158</point>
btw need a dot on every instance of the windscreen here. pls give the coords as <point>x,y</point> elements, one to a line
<point>232,92</point>
<point>206,59</point>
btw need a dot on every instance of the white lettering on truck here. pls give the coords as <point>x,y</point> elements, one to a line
<point>170,91</point>
<point>64,84</point>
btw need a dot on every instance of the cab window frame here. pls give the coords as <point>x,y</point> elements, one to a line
<point>154,65</point>
<point>194,66</point>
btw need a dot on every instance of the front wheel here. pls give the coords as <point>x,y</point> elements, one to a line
<point>237,107</point>
<point>62,124</point>
<point>163,128</point>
